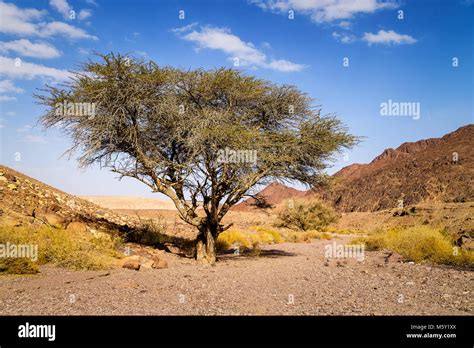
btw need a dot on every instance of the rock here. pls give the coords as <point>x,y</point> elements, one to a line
<point>12,187</point>
<point>52,219</point>
<point>77,227</point>
<point>2,178</point>
<point>147,264</point>
<point>159,263</point>
<point>131,262</point>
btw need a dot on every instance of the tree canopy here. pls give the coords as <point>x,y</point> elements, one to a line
<point>204,138</point>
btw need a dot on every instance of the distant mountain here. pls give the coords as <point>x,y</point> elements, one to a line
<point>269,197</point>
<point>435,170</point>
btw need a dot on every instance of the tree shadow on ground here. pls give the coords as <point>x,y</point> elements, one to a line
<point>229,255</point>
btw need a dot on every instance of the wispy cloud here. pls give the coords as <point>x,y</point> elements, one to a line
<point>62,6</point>
<point>84,14</point>
<point>26,48</point>
<point>344,38</point>
<point>30,71</point>
<point>235,48</point>
<point>30,22</point>
<point>388,38</point>
<point>7,98</point>
<point>8,86</point>
<point>184,28</point>
<point>326,10</point>
<point>64,29</point>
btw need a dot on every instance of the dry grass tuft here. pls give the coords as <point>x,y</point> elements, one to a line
<point>256,236</point>
<point>79,251</point>
<point>419,244</point>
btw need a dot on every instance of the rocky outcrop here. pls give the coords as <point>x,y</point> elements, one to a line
<point>25,201</point>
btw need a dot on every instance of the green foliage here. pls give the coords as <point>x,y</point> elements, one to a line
<point>306,215</point>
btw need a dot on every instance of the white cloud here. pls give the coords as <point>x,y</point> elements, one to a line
<point>326,10</point>
<point>64,29</point>
<point>343,37</point>
<point>27,48</point>
<point>222,39</point>
<point>30,71</point>
<point>84,14</point>
<point>387,38</point>
<point>62,6</point>
<point>14,20</point>
<point>7,98</point>
<point>25,22</point>
<point>344,24</point>
<point>8,86</point>
<point>184,28</point>
<point>284,65</point>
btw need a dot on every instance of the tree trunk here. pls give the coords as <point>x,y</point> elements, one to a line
<point>206,246</point>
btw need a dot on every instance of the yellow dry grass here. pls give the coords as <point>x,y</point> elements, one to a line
<point>59,247</point>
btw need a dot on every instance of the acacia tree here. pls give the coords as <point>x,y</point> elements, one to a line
<point>169,128</point>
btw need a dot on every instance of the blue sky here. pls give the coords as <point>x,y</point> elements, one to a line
<point>406,60</point>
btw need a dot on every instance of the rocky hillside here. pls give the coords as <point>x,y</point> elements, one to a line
<point>269,197</point>
<point>432,170</point>
<point>25,201</point>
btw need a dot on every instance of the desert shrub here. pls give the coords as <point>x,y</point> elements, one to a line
<point>418,244</point>
<point>58,247</point>
<point>150,232</point>
<point>22,265</point>
<point>257,236</point>
<point>268,235</point>
<point>306,215</point>
<point>231,237</point>
<point>337,231</point>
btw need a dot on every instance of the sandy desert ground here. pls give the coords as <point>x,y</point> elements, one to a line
<point>286,279</point>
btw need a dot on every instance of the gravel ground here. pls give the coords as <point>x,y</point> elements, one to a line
<point>286,279</point>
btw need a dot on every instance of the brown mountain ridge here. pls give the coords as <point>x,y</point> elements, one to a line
<point>429,170</point>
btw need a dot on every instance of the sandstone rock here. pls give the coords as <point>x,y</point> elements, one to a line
<point>131,262</point>
<point>147,263</point>
<point>2,178</point>
<point>12,187</point>
<point>77,227</point>
<point>135,265</point>
<point>159,263</point>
